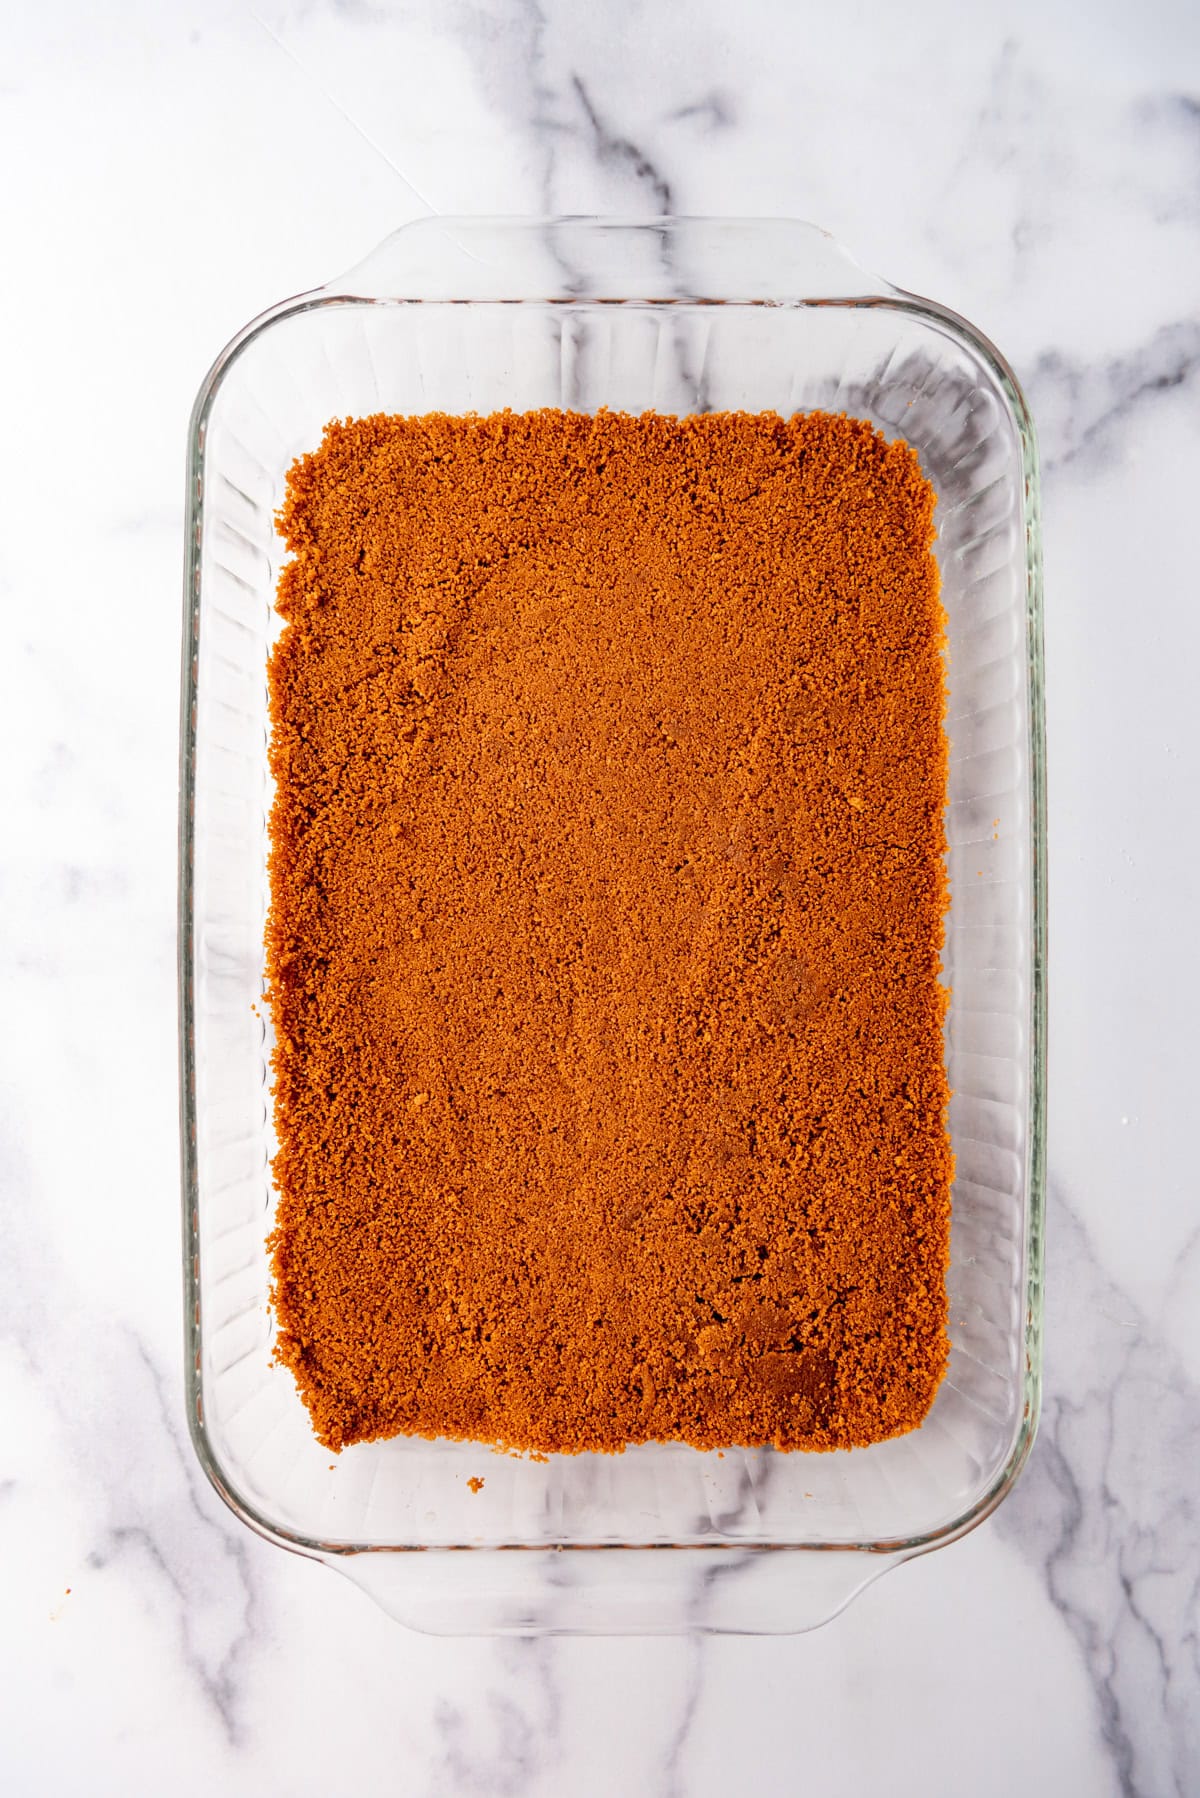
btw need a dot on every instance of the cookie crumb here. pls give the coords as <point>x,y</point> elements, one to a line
<point>607,894</point>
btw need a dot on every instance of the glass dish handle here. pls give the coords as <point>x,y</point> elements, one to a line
<point>613,1591</point>
<point>603,260</point>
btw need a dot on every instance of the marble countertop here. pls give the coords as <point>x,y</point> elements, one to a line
<point>173,170</point>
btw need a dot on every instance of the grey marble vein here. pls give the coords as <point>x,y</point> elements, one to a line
<point>552,101</point>
<point>611,150</point>
<point>1107,1511</point>
<point>1083,407</point>
<point>713,112</point>
<point>673,1773</point>
<point>510,1743</point>
<point>109,1401</point>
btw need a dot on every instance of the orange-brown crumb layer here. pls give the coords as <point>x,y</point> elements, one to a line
<point>607,894</point>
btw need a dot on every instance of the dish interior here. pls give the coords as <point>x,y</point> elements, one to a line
<point>911,372</point>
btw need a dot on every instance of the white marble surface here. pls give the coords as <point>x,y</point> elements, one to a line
<point>170,171</point>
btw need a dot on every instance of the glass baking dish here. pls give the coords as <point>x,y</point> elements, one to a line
<point>675,315</point>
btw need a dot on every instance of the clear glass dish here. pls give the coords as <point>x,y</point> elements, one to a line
<point>677,315</point>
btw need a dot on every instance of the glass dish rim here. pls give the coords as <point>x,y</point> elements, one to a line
<point>876,294</point>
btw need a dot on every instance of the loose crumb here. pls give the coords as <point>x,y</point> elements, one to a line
<point>603,955</point>
<point>475,1483</point>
